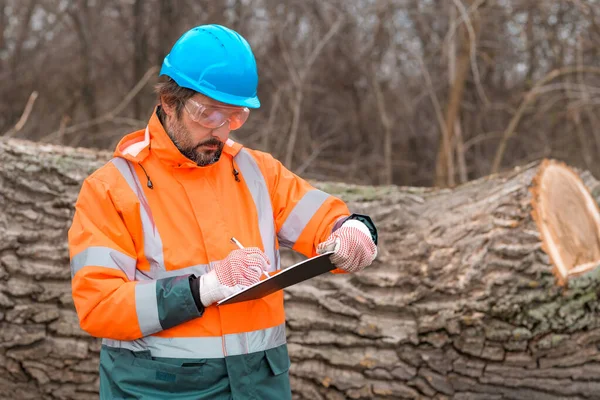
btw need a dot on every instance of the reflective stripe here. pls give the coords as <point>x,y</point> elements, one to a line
<point>146,307</point>
<point>277,259</point>
<point>300,216</point>
<point>206,347</point>
<point>153,247</point>
<point>197,270</point>
<point>250,342</point>
<point>262,200</point>
<point>106,257</point>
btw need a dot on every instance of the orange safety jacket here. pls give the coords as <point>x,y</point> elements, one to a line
<point>150,218</point>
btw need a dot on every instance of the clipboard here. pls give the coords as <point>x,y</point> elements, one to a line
<point>297,273</point>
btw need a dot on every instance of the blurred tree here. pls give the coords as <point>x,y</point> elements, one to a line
<point>409,92</point>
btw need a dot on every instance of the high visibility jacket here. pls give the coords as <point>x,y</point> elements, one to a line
<point>150,218</point>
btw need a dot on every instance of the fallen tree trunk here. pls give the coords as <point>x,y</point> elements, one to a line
<point>486,291</point>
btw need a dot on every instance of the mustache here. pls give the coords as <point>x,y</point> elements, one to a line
<point>211,142</point>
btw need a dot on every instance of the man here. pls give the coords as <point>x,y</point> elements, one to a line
<point>150,240</point>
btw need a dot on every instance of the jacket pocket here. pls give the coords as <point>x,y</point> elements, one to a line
<point>278,360</point>
<point>168,368</point>
<point>136,375</point>
<point>160,375</point>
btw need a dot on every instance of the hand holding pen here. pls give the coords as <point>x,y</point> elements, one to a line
<point>240,246</point>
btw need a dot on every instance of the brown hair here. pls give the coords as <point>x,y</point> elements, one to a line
<point>172,94</point>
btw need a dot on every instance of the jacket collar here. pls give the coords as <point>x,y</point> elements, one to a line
<point>154,140</point>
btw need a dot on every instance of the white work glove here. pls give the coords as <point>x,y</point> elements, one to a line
<point>352,246</point>
<point>240,269</point>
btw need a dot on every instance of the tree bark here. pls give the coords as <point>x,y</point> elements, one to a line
<point>463,301</point>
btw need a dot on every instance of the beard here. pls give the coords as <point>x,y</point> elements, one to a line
<point>181,137</point>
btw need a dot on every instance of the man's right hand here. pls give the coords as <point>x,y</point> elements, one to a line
<point>240,269</point>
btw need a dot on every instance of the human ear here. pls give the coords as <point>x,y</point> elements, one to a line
<point>167,106</point>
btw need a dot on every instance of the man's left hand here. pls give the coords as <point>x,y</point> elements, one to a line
<point>352,246</point>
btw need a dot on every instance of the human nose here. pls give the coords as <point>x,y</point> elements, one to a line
<point>222,133</point>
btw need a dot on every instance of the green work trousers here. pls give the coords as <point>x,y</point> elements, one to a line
<point>263,375</point>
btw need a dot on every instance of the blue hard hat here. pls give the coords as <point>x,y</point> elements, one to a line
<point>217,62</point>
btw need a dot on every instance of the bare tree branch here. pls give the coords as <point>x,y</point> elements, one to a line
<point>24,117</point>
<point>109,116</point>
<point>387,172</point>
<point>529,98</point>
<point>473,45</point>
<point>299,82</point>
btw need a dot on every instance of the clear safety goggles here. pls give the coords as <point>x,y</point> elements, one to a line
<point>214,117</point>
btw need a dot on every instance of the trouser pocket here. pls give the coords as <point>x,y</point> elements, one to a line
<point>136,375</point>
<point>278,360</point>
<point>272,380</point>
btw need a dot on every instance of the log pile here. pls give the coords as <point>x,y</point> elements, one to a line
<point>485,291</point>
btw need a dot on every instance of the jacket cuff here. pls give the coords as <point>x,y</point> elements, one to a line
<point>338,224</point>
<point>195,288</point>
<point>174,301</point>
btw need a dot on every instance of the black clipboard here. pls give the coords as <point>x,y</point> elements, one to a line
<point>297,273</point>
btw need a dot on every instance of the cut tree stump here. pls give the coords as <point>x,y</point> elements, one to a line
<point>568,220</point>
<point>485,291</point>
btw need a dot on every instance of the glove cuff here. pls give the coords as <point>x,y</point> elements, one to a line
<point>358,225</point>
<point>365,219</point>
<point>209,288</point>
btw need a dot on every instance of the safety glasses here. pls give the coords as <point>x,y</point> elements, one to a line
<point>214,117</point>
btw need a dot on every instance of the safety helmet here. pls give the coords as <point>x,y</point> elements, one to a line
<point>217,62</point>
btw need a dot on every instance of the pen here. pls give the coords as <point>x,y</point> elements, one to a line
<point>239,245</point>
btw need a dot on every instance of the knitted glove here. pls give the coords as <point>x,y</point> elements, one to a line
<point>240,269</point>
<point>352,246</point>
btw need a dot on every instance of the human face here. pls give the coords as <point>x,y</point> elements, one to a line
<point>200,144</point>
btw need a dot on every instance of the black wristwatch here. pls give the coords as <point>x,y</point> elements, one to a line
<point>365,219</point>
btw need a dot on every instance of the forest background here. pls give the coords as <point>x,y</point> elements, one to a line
<point>405,92</point>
